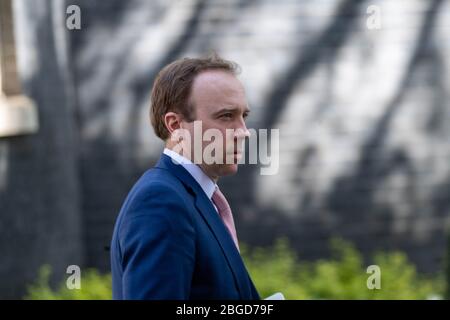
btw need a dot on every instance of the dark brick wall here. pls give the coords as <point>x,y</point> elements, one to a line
<point>363,118</point>
<point>40,217</point>
<point>358,159</point>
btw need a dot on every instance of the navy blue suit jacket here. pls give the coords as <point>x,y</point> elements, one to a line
<point>170,243</point>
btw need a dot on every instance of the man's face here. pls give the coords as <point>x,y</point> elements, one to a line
<point>219,101</point>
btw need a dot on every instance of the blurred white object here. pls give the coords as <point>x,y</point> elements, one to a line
<point>18,115</point>
<point>276,296</point>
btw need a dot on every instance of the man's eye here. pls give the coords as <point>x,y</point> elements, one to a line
<point>227,115</point>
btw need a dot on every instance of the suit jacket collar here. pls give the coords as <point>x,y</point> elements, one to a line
<point>206,209</point>
<point>205,182</point>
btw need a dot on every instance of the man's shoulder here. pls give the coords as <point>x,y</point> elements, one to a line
<point>153,191</point>
<point>157,180</point>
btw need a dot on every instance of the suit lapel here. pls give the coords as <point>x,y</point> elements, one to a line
<point>214,222</point>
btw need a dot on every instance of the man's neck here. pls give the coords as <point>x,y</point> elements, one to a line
<point>212,177</point>
<point>202,166</point>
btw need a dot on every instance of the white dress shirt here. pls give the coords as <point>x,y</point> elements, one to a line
<point>205,182</point>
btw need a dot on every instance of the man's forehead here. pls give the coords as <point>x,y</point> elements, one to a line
<point>217,80</point>
<point>219,88</point>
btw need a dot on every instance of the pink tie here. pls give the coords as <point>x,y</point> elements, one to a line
<point>225,213</point>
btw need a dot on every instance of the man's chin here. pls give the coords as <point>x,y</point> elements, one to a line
<point>228,169</point>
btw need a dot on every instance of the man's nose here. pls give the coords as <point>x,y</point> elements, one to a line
<point>242,132</point>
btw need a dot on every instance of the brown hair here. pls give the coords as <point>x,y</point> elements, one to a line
<point>172,88</point>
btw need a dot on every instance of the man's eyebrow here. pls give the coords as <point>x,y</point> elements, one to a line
<point>231,109</point>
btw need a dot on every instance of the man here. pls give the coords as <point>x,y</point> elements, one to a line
<point>175,237</point>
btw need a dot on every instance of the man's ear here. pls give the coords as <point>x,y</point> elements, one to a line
<point>172,121</point>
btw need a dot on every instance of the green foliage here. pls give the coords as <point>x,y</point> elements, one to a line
<point>277,269</point>
<point>342,277</point>
<point>447,267</point>
<point>94,286</point>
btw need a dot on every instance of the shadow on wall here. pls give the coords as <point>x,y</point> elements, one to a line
<point>113,99</point>
<point>351,203</point>
<point>112,78</point>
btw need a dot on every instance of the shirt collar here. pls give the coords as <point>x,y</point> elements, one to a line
<point>205,182</point>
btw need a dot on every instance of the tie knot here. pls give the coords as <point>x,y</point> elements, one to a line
<point>219,200</point>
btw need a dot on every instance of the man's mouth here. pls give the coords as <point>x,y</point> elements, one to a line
<point>237,155</point>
